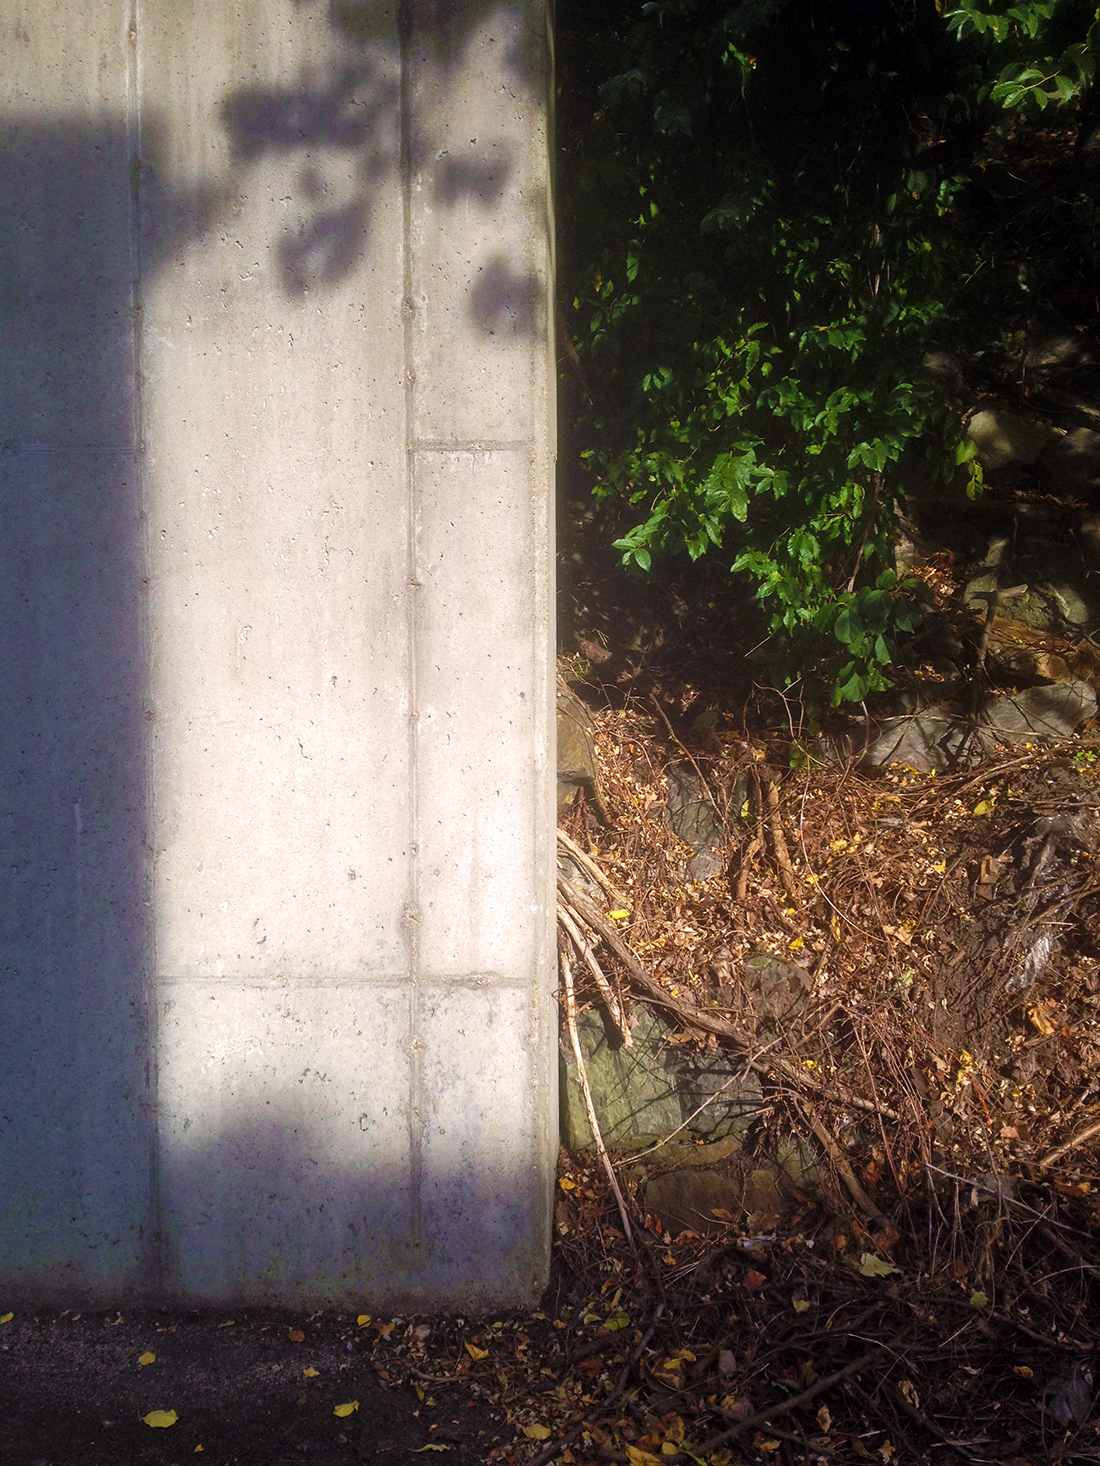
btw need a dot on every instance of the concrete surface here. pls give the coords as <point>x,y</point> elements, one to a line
<point>276,960</point>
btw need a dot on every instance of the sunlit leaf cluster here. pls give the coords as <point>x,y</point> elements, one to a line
<point>769,223</point>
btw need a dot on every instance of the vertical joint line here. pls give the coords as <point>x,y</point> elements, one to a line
<point>417,1093</point>
<point>135,163</point>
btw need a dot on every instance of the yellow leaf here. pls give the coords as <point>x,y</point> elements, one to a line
<point>348,1409</point>
<point>197,1450</point>
<point>160,1418</point>
<point>1024,1371</point>
<point>871,1266</point>
<point>537,1432</point>
<point>431,1446</point>
<point>228,1324</point>
<point>984,806</point>
<point>147,1358</point>
<point>615,916</point>
<point>1039,1020</point>
<point>800,1305</point>
<point>978,1300</point>
<point>475,1353</point>
<point>310,1373</point>
<point>796,944</point>
<point>567,1183</point>
<point>363,1320</point>
<point>7,1318</point>
<point>641,1458</point>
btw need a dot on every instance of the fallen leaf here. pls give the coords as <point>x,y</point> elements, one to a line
<point>978,1300</point>
<point>147,1358</point>
<point>800,1305</point>
<point>567,1183</point>
<point>197,1450</point>
<point>824,1420</point>
<point>311,1373</point>
<point>384,1329</point>
<point>363,1320</point>
<point>1024,1371</point>
<point>538,1432</point>
<point>228,1324</point>
<point>753,1279</point>
<point>615,1321</point>
<point>871,1266</point>
<point>886,1450</point>
<point>431,1446</point>
<point>475,1353</point>
<point>160,1419</point>
<point>727,1364</point>
<point>296,1336</point>
<point>348,1409</point>
<point>641,1458</point>
<point>984,806</point>
<point>618,915</point>
<point>1039,1020</point>
<point>908,1392</point>
<point>7,1318</point>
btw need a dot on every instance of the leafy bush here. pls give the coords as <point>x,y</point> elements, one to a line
<point>770,217</point>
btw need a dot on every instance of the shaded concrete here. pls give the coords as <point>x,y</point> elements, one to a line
<point>276,961</point>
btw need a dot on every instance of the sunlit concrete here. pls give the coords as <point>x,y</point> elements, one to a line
<point>276,993</point>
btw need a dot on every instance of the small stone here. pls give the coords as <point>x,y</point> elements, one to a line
<point>686,1201</point>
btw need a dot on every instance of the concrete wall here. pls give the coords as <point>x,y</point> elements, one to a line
<point>276,959</point>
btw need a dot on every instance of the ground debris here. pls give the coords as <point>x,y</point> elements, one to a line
<point>926,1291</point>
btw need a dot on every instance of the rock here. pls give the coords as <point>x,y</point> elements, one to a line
<point>766,1193</point>
<point>800,1162</point>
<point>923,739</point>
<point>578,767</point>
<point>686,1201</point>
<point>1040,712</point>
<point>1016,650</point>
<point>695,820</point>
<point>646,1092</point>
<point>1070,466</point>
<point>778,990</point>
<point>941,736</point>
<point>1054,350</point>
<point>1003,438</point>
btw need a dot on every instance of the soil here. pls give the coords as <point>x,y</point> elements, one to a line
<point>259,1388</point>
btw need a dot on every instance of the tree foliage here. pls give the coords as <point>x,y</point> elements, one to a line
<point>773,210</point>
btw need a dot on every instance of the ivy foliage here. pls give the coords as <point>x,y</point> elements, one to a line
<point>773,210</point>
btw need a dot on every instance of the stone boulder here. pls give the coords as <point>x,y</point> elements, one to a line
<point>1003,438</point>
<point>646,1092</point>
<point>578,767</point>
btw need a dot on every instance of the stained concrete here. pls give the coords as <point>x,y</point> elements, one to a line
<point>276,959</point>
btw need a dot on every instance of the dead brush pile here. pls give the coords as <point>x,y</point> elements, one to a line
<point>934,1297</point>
